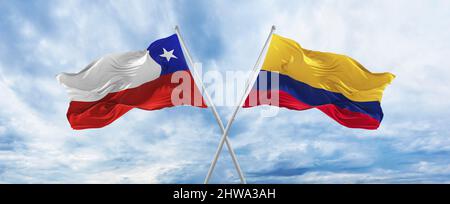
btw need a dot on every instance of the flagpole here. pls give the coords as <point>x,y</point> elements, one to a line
<point>212,106</point>
<point>248,88</point>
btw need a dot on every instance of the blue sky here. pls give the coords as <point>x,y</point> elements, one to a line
<point>41,38</point>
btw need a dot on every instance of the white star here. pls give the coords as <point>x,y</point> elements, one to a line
<point>168,55</point>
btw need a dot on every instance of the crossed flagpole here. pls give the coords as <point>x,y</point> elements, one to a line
<point>225,130</point>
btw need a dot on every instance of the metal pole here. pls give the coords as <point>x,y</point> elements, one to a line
<point>212,106</point>
<point>250,83</point>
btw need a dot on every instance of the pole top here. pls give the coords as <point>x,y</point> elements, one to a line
<point>176,27</point>
<point>273,28</point>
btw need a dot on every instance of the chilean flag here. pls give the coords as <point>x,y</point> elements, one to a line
<point>114,84</point>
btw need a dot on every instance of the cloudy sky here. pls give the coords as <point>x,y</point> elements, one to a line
<point>41,38</point>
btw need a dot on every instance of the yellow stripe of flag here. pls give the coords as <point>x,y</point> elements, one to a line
<point>332,72</point>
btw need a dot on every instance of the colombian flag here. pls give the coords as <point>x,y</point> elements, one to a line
<point>335,84</point>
